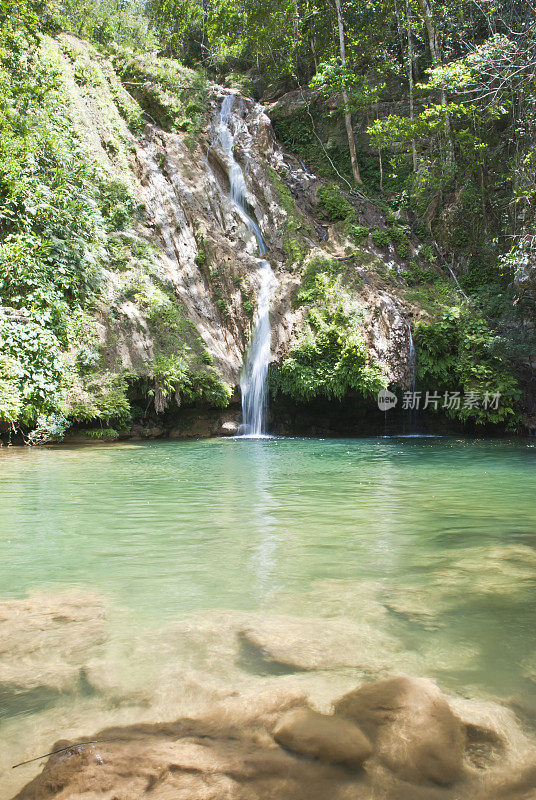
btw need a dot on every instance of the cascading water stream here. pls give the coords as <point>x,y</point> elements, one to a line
<point>412,358</point>
<point>253,381</point>
<point>412,363</point>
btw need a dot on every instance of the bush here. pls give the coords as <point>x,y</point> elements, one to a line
<point>102,434</point>
<point>459,353</point>
<point>332,359</point>
<point>357,233</point>
<point>380,238</point>
<point>330,362</point>
<point>49,429</point>
<point>10,394</point>
<point>334,204</point>
<point>416,274</point>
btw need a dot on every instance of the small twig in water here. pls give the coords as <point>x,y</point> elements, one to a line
<point>64,749</point>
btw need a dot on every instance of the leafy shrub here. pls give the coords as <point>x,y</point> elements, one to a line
<point>426,252</point>
<point>223,307</point>
<point>248,307</point>
<point>398,234</point>
<point>416,274</point>
<point>380,238</point>
<point>317,280</point>
<point>330,362</point>
<point>102,434</point>
<point>332,359</point>
<point>357,233</point>
<point>116,204</point>
<point>49,429</point>
<point>10,394</point>
<point>295,250</point>
<point>105,398</point>
<point>459,353</point>
<point>334,204</point>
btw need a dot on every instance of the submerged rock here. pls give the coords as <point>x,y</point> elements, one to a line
<point>229,753</point>
<point>322,736</point>
<point>45,642</point>
<point>316,644</point>
<point>412,726</point>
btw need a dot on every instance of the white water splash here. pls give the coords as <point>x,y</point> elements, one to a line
<point>253,381</point>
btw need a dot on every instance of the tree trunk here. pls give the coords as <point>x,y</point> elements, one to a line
<point>347,114</point>
<point>410,81</point>
<point>436,58</point>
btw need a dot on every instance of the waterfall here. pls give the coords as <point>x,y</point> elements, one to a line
<point>253,380</point>
<point>412,358</point>
<point>412,364</point>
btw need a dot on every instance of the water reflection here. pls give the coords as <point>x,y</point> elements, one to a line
<point>265,541</point>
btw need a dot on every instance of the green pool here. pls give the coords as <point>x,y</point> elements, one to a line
<point>431,541</point>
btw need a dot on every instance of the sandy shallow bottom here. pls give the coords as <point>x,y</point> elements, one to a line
<point>72,665</point>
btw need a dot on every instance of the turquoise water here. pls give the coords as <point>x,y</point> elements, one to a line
<point>440,531</point>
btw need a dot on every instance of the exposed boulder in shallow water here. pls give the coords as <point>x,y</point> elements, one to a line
<point>412,726</point>
<point>45,641</point>
<point>323,736</point>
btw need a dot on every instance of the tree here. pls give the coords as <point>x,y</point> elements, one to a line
<point>347,112</point>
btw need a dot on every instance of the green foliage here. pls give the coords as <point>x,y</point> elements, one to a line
<point>105,398</point>
<point>333,77</point>
<point>317,281</point>
<point>210,389</point>
<point>426,252</point>
<point>10,391</point>
<point>176,97</point>
<point>223,307</point>
<point>398,234</point>
<point>332,359</point>
<point>295,250</point>
<point>380,238</point>
<point>434,297</point>
<point>201,255</point>
<point>175,377</point>
<point>107,23</point>
<point>49,429</point>
<point>458,353</point>
<point>56,212</point>
<point>356,233</point>
<point>293,245</point>
<point>416,274</point>
<point>116,204</point>
<point>248,307</point>
<point>334,204</point>
<point>35,355</point>
<point>296,132</point>
<point>102,434</point>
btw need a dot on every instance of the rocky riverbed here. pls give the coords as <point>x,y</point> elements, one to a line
<point>236,704</point>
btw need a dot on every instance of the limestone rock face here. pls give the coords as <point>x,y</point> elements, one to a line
<point>322,736</point>
<point>196,243</point>
<point>412,727</point>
